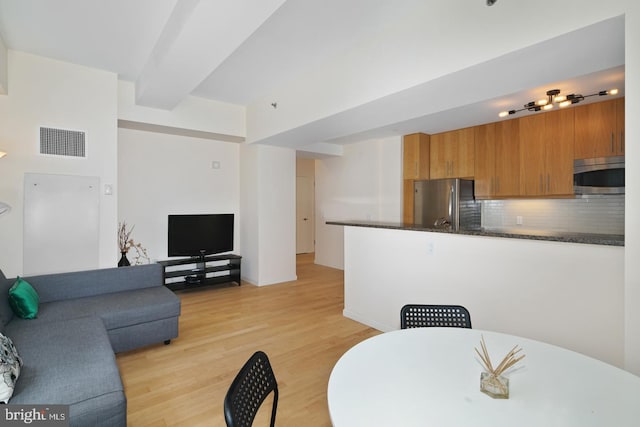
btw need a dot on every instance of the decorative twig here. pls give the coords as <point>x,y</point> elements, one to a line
<point>124,240</point>
<point>141,253</point>
<point>509,360</point>
<point>126,243</point>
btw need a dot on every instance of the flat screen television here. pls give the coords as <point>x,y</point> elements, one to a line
<point>200,234</point>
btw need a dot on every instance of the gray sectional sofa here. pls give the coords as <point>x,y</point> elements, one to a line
<point>83,319</point>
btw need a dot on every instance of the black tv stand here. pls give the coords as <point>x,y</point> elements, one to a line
<point>199,271</point>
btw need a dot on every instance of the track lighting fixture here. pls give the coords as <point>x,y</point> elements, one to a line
<point>491,2</point>
<point>554,98</point>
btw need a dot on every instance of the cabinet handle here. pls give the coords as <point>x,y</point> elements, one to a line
<point>416,175</point>
<point>612,144</point>
<point>497,184</point>
<point>621,142</point>
<point>541,188</point>
<point>548,183</point>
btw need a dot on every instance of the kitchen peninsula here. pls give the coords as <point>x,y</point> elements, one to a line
<point>587,238</point>
<point>556,289</point>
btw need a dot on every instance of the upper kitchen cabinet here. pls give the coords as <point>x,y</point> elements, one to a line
<point>560,136</point>
<point>599,129</point>
<point>415,166</point>
<point>547,153</point>
<point>416,156</point>
<point>453,154</point>
<point>484,186</point>
<point>497,160</point>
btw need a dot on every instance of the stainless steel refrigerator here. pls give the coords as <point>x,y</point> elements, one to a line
<point>446,204</point>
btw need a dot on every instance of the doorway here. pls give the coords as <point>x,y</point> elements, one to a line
<point>304,215</point>
<point>305,206</point>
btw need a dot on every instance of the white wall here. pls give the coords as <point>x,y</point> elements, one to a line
<point>554,292</point>
<point>160,174</point>
<point>4,68</point>
<point>51,93</point>
<point>277,195</point>
<point>632,196</point>
<point>363,184</point>
<point>267,203</point>
<point>250,205</point>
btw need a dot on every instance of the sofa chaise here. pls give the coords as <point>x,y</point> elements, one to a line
<point>83,318</point>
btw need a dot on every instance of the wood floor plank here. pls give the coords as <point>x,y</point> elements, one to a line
<point>298,324</point>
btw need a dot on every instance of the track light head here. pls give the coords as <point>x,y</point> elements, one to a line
<point>491,2</point>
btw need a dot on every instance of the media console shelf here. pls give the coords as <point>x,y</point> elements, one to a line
<point>189,273</point>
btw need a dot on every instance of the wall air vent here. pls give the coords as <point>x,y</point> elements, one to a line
<point>62,142</point>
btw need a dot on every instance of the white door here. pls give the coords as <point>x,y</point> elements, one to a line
<point>304,215</point>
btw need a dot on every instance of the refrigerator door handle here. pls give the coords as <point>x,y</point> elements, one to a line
<point>451,197</point>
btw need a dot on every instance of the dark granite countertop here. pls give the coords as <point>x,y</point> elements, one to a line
<point>592,239</point>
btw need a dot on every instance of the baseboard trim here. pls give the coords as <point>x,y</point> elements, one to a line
<point>367,321</point>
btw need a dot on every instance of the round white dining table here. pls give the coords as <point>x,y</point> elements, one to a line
<point>431,377</point>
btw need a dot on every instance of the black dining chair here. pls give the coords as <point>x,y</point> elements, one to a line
<point>423,316</point>
<point>249,389</point>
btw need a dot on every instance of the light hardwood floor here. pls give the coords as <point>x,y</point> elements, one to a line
<point>298,324</point>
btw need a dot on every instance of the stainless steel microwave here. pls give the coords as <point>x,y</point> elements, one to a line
<point>602,175</point>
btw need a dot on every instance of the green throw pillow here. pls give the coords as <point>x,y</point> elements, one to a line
<point>23,299</point>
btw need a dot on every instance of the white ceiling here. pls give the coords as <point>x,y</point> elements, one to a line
<point>239,51</point>
<point>251,55</point>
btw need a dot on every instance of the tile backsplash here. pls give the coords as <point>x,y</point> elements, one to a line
<point>596,214</point>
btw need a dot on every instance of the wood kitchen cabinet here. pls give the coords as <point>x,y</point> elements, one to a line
<point>415,166</point>
<point>507,158</point>
<point>547,153</point>
<point>416,152</point>
<point>453,154</point>
<point>484,172</point>
<point>497,160</point>
<point>531,156</point>
<point>599,129</point>
<point>408,196</point>
<point>560,137</point>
